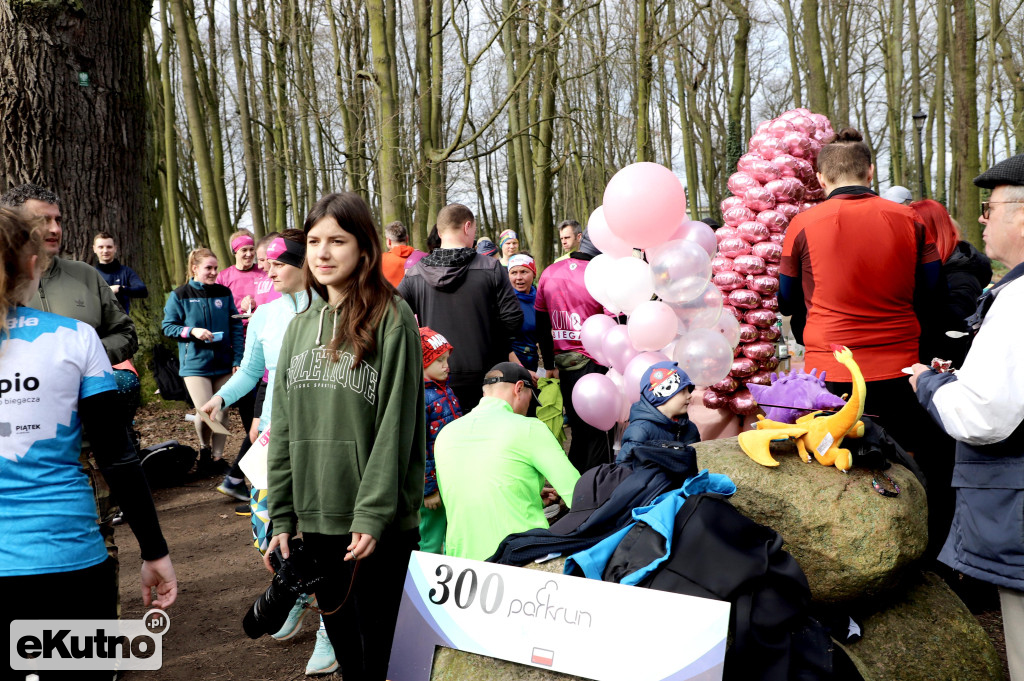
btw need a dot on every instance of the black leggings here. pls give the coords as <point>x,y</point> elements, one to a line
<point>89,593</point>
<point>361,631</point>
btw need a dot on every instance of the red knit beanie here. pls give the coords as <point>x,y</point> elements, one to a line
<point>434,345</point>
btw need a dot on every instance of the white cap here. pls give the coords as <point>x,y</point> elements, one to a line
<point>897,193</point>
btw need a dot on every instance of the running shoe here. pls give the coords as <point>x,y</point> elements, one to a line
<point>237,491</point>
<point>244,510</point>
<point>323,660</point>
<point>294,622</point>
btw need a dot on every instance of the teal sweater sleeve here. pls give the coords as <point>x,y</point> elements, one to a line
<point>251,370</point>
<point>281,504</point>
<point>400,444</point>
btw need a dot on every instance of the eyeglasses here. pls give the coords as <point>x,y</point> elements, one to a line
<point>986,206</point>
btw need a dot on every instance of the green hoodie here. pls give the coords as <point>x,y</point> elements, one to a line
<point>347,446</point>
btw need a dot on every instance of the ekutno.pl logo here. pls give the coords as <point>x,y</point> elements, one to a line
<point>70,645</point>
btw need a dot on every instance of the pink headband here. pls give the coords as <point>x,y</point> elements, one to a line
<point>288,252</point>
<point>522,260</point>
<point>240,242</point>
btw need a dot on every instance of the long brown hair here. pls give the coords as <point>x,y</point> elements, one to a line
<point>366,294</point>
<point>19,240</point>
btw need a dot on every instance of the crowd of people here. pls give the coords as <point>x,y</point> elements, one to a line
<point>400,391</point>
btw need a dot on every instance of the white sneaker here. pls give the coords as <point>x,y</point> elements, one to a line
<point>323,660</point>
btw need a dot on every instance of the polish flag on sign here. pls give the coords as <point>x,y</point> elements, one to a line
<point>542,656</point>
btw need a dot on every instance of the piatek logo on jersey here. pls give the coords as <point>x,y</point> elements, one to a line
<point>73,645</point>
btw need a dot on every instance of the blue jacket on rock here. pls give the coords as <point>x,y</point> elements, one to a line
<point>647,424</point>
<point>210,307</point>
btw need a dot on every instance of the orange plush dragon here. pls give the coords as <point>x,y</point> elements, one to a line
<point>818,433</point>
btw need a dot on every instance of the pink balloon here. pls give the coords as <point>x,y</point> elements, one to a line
<point>722,264</point>
<point>749,333</point>
<point>764,285</point>
<point>742,402</point>
<point>733,247</point>
<point>617,348</point>
<point>597,401</point>
<point>715,400</point>
<point>780,127</point>
<point>728,280</point>
<point>759,199</point>
<point>643,203</point>
<point>652,325</point>
<point>739,183</point>
<point>592,334</point>
<point>726,232</point>
<point>786,164</point>
<point>770,251</point>
<point>734,216</point>
<point>635,371</point>
<point>771,148</point>
<point>603,238</point>
<point>753,232</point>
<point>772,269</point>
<point>774,220</point>
<point>749,264</point>
<point>697,232</point>
<point>730,202</point>
<point>771,302</point>
<point>788,210</point>
<point>744,299</point>
<point>764,171</point>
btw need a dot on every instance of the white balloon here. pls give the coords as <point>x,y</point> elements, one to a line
<point>728,326</point>
<point>705,355</point>
<point>700,313</point>
<point>596,278</point>
<point>629,283</point>
<point>680,271</point>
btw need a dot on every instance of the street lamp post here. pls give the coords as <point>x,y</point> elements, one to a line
<point>919,118</point>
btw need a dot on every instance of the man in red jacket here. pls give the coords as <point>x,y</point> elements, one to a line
<point>856,270</point>
<point>400,256</point>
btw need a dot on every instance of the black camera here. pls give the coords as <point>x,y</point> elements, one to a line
<point>297,575</point>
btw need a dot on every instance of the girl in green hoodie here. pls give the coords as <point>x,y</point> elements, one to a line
<point>346,458</point>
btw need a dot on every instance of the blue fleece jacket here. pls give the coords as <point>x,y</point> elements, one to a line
<point>647,424</point>
<point>210,307</point>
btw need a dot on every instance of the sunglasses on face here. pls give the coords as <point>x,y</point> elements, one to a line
<point>986,206</point>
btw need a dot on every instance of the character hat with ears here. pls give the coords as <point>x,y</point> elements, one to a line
<point>662,381</point>
<point>434,345</point>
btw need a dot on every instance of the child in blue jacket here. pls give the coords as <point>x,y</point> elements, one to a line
<point>442,409</point>
<point>201,316</point>
<point>660,413</point>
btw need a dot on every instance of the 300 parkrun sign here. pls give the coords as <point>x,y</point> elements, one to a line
<point>82,645</point>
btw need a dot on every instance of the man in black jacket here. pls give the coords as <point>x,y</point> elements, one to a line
<point>467,298</point>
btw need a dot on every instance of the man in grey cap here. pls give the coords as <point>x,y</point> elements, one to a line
<point>982,407</point>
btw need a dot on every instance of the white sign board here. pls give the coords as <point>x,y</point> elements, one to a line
<point>254,463</point>
<point>597,630</point>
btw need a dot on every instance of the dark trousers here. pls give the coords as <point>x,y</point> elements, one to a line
<point>589,446</point>
<point>247,410</point>
<point>89,593</point>
<point>894,403</point>
<point>363,629</point>
<point>468,390</point>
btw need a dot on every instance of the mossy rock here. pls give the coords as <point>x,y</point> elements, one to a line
<point>926,634</point>
<point>851,541</point>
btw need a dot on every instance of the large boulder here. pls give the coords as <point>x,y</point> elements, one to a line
<point>924,634</point>
<point>851,541</point>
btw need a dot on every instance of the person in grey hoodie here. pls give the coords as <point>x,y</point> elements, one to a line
<point>467,298</point>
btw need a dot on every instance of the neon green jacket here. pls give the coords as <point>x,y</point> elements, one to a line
<point>491,467</point>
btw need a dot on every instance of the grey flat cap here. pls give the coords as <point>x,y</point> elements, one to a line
<point>1010,171</point>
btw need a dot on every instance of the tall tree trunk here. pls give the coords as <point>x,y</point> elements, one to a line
<point>252,179</point>
<point>644,73</point>
<point>734,140</point>
<point>200,143</point>
<point>893,51</point>
<point>73,102</point>
<point>388,168</point>
<point>794,60</point>
<point>543,232</point>
<point>965,117</point>
<point>1013,74</point>
<point>178,273</point>
<point>939,99</point>
<point>817,84</point>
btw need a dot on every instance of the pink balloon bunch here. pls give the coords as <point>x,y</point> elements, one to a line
<point>774,182</point>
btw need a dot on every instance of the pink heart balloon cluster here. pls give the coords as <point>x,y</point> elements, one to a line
<point>774,182</point>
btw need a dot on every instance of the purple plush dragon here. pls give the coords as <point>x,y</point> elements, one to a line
<point>797,394</point>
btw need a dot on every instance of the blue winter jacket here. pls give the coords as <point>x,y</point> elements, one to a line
<point>647,424</point>
<point>205,306</point>
<point>442,409</point>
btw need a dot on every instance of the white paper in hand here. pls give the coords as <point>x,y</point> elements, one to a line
<point>254,463</point>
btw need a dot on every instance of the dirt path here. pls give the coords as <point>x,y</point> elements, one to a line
<point>220,574</point>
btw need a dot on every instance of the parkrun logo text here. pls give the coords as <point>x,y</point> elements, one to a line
<point>72,645</point>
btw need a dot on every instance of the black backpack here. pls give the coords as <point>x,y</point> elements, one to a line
<point>166,464</point>
<point>165,368</point>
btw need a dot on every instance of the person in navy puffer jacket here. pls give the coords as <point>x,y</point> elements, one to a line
<point>442,409</point>
<point>660,413</point>
<point>201,316</point>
